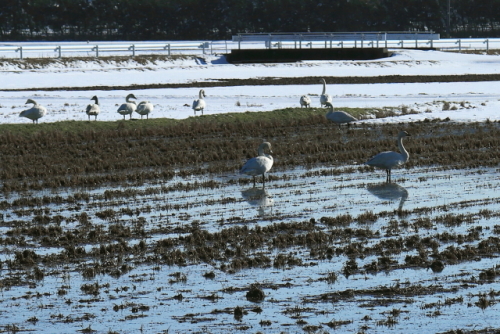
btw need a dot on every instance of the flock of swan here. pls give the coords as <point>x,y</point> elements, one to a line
<point>144,108</point>
<point>387,160</point>
<point>262,163</point>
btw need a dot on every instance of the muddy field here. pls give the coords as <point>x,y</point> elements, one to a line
<point>132,228</point>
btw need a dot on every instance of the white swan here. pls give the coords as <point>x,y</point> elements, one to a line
<point>129,107</point>
<point>388,160</point>
<point>93,109</point>
<point>144,108</point>
<point>260,164</point>
<point>200,103</point>
<point>339,117</point>
<point>35,112</point>
<point>324,98</point>
<point>305,101</point>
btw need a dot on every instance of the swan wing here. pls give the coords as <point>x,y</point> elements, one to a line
<point>93,109</point>
<point>324,98</point>
<point>340,117</point>
<point>144,108</point>
<point>198,104</point>
<point>386,160</point>
<point>34,113</point>
<point>257,166</point>
<point>127,108</point>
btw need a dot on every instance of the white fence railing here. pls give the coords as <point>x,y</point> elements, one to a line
<point>22,50</point>
<point>441,44</point>
<point>73,49</point>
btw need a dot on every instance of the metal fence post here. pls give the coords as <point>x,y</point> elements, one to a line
<point>58,50</point>
<point>459,42</point>
<point>20,50</point>
<point>96,51</point>
<point>487,41</point>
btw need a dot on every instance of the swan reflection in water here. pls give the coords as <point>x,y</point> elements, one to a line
<point>260,198</point>
<point>389,191</point>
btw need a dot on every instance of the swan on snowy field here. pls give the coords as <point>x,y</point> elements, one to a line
<point>93,109</point>
<point>259,165</point>
<point>129,107</point>
<point>200,103</point>
<point>339,117</point>
<point>388,160</point>
<point>144,108</point>
<point>324,98</point>
<point>35,112</point>
<point>305,101</point>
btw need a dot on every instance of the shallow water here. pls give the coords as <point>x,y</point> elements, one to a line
<point>143,298</point>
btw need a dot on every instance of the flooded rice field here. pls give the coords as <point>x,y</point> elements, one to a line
<point>326,246</point>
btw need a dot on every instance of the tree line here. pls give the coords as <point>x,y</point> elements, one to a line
<point>220,19</point>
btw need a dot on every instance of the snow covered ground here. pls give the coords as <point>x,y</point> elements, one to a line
<point>470,101</point>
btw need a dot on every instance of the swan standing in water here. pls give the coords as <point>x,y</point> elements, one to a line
<point>339,117</point>
<point>324,98</point>
<point>388,160</point>
<point>93,109</point>
<point>144,108</point>
<point>129,107</point>
<point>200,103</point>
<point>35,112</point>
<point>305,101</point>
<point>260,164</point>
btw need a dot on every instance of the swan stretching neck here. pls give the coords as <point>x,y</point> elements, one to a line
<point>259,165</point>
<point>388,160</point>
<point>324,98</point>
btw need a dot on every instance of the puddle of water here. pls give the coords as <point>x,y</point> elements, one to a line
<point>143,299</point>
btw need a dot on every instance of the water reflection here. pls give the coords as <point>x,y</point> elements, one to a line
<point>260,198</point>
<point>389,191</point>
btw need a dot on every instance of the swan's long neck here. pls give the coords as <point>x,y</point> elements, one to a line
<point>201,95</point>
<point>324,87</point>
<point>263,154</point>
<point>402,149</point>
<point>96,100</point>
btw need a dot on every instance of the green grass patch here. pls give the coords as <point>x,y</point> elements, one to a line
<point>287,115</point>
